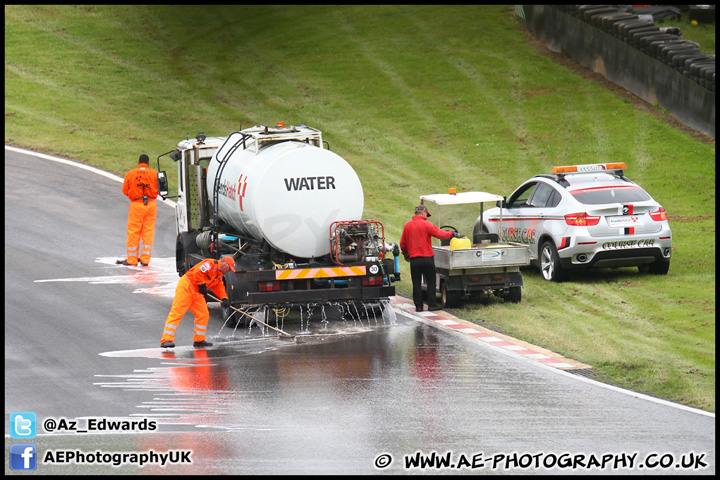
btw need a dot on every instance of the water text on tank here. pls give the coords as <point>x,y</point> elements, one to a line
<point>310,183</point>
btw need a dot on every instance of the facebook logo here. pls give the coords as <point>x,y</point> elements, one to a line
<point>23,425</point>
<point>23,456</point>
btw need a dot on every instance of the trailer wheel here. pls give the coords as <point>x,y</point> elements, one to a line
<point>514,295</point>
<point>449,298</point>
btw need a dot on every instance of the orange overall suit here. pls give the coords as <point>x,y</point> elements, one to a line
<point>206,275</point>
<point>140,186</point>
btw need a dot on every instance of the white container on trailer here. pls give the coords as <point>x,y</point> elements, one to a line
<point>283,187</point>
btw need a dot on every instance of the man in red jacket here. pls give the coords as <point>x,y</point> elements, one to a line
<point>190,295</point>
<point>416,246</point>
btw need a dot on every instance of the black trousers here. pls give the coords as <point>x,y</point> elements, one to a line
<point>419,267</point>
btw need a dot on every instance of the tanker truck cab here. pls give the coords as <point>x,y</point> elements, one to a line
<point>192,157</point>
<point>288,210</point>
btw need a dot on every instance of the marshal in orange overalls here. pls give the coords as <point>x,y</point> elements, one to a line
<point>207,274</point>
<point>141,188</point>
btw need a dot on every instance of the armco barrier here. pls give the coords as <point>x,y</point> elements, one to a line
<point>653,63</point>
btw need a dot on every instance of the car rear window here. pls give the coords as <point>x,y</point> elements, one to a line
<point>610,194</point>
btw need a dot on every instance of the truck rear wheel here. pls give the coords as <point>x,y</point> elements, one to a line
<point>236,289</point>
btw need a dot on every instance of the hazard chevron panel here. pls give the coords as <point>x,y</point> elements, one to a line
<point>321,272</point>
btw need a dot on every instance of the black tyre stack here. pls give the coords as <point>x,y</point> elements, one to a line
<point>638,29</point>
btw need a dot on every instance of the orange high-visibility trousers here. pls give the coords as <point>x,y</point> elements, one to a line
<point>140,226</point>
<point>187,298</point>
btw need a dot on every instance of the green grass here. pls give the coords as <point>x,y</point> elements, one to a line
<point>418,99</point>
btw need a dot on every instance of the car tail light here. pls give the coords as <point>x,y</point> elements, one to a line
<point>581,219</point>
<point>659,216</point>
<point>269,286</point>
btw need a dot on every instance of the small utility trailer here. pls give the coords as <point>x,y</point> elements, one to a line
<point>478,269</point>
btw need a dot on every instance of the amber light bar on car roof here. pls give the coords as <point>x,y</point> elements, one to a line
<point>596,167</point>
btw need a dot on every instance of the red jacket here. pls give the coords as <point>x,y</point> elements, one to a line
<point>415,239</point>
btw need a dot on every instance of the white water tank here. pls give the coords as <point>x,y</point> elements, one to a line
<point>286,192</point>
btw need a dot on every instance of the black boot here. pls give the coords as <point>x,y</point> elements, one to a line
<point>202,344</point>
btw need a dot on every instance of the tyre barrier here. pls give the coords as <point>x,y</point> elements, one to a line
<point>642,32</point>
<point>630,50</point>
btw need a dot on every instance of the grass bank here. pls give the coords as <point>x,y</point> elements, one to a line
<point>418,99</point>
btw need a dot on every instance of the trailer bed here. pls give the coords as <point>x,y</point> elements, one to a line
<point>482,255</point>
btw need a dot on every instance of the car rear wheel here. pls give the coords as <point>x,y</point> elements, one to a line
<point>656,268</point>
<point>550,263</point>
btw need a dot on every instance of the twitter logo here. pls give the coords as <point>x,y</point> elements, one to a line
<point>23,425</point>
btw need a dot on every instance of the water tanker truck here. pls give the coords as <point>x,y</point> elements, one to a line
<point>288,210</point>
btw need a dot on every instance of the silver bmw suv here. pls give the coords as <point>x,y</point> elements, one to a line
<point>584,216</point>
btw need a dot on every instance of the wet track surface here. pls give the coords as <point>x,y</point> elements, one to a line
<point>350,394</point>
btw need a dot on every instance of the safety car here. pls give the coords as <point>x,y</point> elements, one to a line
<point>583,216</point>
